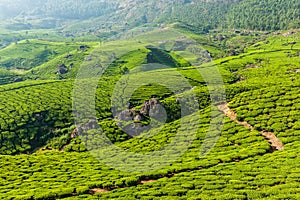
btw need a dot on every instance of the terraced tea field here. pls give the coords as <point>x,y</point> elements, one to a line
<point>252,135</point>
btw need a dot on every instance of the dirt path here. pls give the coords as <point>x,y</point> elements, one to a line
<point>274,141</point>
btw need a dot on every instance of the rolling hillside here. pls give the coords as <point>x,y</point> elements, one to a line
<point>137,99</point>
<point>246,162</point>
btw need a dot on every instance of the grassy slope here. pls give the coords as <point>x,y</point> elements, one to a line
<point>43,109</point>
<point>25,55</point>
<point>240,166</point>
<point>37,59</point>
<point>270,102</point>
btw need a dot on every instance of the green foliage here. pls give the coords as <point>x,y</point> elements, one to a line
<point>34,110</point>
<point>262,82</point>
<point>242,14</point>
<point>264,15</point>
<point>37,59</point>
<point>86,17</point>
<point>28,54</point>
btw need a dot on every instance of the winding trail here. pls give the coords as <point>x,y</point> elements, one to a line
<point>274,141</point>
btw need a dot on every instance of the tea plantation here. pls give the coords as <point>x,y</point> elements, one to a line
<point>44,155</point>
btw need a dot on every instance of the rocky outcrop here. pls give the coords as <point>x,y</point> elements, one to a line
<point>17,80</point>
<point>134,122</point>
<point>62,69</point>
<point>149,107</point>
<point>91,124</point>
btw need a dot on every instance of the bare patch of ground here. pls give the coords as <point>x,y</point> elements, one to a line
<point>295,71</point>
<point>98,190</point>
<point>18,71</point>
<point>274,141</point>
<point>289,33</point>
<point>148,181</point>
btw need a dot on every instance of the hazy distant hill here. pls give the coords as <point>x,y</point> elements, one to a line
<point>104,14</point>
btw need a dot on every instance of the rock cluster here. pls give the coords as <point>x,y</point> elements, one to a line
<point>131,120</point>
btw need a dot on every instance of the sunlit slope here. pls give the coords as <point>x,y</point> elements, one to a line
<point>262,88</point>
<point>34,112</point>
<point>235,144</point>
<point>25,55</point>
<point>266,96</point>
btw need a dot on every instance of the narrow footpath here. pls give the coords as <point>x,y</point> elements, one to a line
<point>274,141</point>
